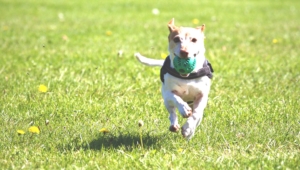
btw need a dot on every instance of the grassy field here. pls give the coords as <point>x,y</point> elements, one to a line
<point>60,71</point>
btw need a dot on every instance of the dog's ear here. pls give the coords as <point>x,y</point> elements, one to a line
<point>201,28</point>
<point>171,25</point>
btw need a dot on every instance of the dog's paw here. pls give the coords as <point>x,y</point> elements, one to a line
<point>188,129</point>
<point>185,110</point>
<point>188,132</point>
<point>174,128</point>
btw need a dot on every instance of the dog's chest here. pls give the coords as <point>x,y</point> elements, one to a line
<point>187,89</point>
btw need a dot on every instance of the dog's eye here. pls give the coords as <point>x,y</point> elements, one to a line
<point>176,40</point>
<point>194,40</point>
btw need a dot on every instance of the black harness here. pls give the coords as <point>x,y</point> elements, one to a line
<point>206,70</point>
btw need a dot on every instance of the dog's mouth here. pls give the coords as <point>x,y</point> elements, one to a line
<point>184,66</point>
<point>184,75</point>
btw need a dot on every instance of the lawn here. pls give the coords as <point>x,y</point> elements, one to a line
<point>67,68</point>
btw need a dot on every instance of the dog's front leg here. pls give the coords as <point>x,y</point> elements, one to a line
<point>171,101</point>
<point>174,127</point>
<point>188,129</point>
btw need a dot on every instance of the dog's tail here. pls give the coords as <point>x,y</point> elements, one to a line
<point>148,61</point>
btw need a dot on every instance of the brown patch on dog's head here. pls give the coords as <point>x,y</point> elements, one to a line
<point>173,30</point>
<point>202,28</point>
<point>171,25</point>
<point>173,34</point>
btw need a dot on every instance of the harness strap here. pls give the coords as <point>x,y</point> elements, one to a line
<point>206,70</point>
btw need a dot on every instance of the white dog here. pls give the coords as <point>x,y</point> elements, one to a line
<point>188,92</point>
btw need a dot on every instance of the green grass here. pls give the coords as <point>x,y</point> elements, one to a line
<point>252,120</point>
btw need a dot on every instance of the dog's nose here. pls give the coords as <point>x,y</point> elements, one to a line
<point>184,54</point>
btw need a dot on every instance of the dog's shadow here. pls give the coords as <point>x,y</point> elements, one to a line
<point>125,141</point>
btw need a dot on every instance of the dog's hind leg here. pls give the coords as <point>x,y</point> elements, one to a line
<point>188,129</point>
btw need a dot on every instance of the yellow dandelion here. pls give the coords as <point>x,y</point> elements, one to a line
<point>195,21</point>
<point>180,150</point>
<point>163,55</point>
<point>259,145</point>
<point>109,33</point>
<point>104,130</point>
<point>166,156</point>
<point>43,88</point>
<point>5,28</point>
<point>65,37</point>
<point>34,129</point>
<point>275,41</point>
<point>20,132</point>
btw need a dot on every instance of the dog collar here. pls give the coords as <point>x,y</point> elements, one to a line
<point>206,70</point>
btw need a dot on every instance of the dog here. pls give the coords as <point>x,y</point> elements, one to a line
<point>188,92</point>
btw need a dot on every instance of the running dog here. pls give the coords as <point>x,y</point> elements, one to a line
<point>185,90</point>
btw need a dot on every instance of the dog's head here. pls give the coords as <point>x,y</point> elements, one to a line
<point>186,42</point>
